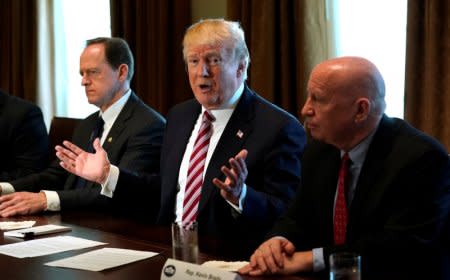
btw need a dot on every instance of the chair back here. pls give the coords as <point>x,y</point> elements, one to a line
<point>61,129</point>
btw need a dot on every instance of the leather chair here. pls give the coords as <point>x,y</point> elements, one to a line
<point>61,129</point>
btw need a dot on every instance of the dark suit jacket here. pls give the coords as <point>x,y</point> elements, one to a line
<point>134,142</point>
<point>24,139</point>
<point>274,140</point>
<point>400,202</point>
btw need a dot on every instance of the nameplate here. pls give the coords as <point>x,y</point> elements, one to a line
<point>179,270</point>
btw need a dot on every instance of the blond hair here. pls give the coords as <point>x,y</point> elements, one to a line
<point>218,32</point>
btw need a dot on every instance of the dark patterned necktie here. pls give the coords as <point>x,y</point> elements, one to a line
<point>96,133</point>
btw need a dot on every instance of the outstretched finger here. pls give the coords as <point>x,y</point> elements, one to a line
<point>242,154</point>
<point>65,154</point>
<point>68,167</point>
<point>221,185</point>
<point>243,165</point>
<point>236,166</point>
<point>231,175</point>
<point>72,147</point>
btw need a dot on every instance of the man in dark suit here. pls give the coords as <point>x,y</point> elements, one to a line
<point>132,135</point>
<point>393,204</point>
<point>24,141</point>
<point>251,159</point>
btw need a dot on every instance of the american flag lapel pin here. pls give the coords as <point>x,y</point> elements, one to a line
<point>240,133</point>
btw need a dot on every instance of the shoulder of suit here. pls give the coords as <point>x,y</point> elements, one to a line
<point>185,107</point>
<point>91,116</point>
<point>316,154</point>
<point>19,106</point>
<point>143,109</point>
<point>89,121</point>
<point>412,138</point>
<point>266,108</point>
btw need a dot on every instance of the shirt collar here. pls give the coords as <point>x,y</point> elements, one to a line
<point>110,115</point>
<point>358,153</point>
<point>231,104</point>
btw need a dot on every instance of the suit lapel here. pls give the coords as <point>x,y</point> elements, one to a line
<point>120,123</point>
<point>369,189</point>
<point>231,142</point>
<point>326,196</point>
<point>184,131</point>
<point>176,141</point>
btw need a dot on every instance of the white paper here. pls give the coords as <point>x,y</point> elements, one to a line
<point>16,225</point>
<point>46,246</point>
<point>35,231</point>
<point>228,266</point>
<point>102,259</point>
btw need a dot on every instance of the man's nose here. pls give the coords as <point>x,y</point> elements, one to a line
<point>307,109</point>
<point>203,69</point>
<point>85,80</point>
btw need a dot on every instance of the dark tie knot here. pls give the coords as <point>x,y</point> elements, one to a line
<point>96,133</point>
<point>98,129</point>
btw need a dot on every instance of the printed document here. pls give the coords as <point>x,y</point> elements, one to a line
<point>102,259</point>
<point>46,246</point>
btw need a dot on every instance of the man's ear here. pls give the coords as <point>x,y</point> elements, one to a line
<point>363,106</point>
<point>123,72</point>
<point>240,69</point>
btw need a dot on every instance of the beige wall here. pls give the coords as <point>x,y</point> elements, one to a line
<point>208,9</point>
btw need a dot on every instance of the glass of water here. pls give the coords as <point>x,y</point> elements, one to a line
<point>185,242</point>
<point>345,266</point>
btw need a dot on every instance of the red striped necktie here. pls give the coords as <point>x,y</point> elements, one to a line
<point>196,167</point>
<point>340,209</point>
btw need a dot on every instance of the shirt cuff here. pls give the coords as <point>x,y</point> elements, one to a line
<point>6,188</point>
<point>53,202</point>
<point>318,260</point>
<point>110,184</point>
<point>239,208</point>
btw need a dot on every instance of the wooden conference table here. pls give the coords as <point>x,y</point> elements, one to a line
<point>118,233</point>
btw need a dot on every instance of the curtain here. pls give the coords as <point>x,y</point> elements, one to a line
<point>427,86</point>
<point>285,39</point>
<point>154,31</point>
<point>51,72</point>
<point>18,54</point>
